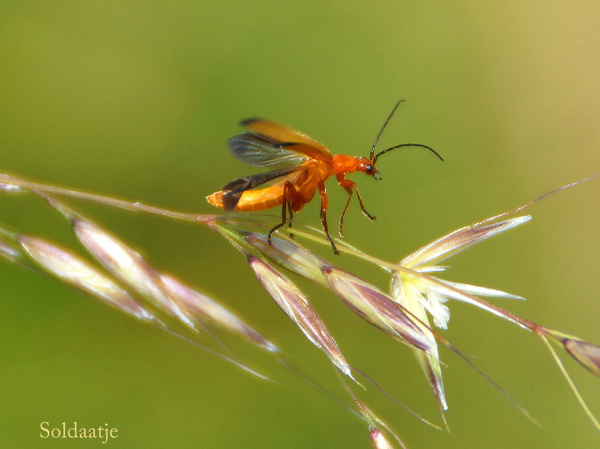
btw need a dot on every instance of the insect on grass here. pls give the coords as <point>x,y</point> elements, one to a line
<point>419,290</point>
<point>301,165</point>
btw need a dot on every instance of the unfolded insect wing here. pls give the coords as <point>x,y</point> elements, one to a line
<point>262,151</point>
<point>233,191</point>
<point>284,134</point>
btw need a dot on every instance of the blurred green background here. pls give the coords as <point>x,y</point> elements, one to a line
<point>136,99</point>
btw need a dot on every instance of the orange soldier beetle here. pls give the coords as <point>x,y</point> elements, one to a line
<point>301,167</point>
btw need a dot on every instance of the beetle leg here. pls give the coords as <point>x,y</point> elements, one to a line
<point>291,213</point>
<point>324,204</point>
<point>289,196</point>
<point>349,190</point>
<point>348,185</point>
<point>276,227</point>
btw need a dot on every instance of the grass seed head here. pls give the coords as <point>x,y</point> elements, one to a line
<point>290,256</point>
<point>432,292</point>
<point>379,440</point>
<point>411,299</point>
<point>296,306</point>
<point>377,308</point>
<point>73,270</point>
<point>128,266</point>
<point>585,353</point>
<point>457,241</point>
<point>420,294</point>
<point>208,310</point>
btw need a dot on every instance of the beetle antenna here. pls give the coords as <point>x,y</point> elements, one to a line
<point>381,131</point>
<point>374,159</point>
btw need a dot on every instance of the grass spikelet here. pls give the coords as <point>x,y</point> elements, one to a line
<point>419,294</point>
<point>585,353</point>
<point>379,440</point>
<point>377,308</point>
<point>428,361</point>
<point>459,240</point>
<point>73,270</point>
<point>211,312</point>
<point>296,306</point>
<point>567,377</point>
<point>290,256</point>
<point>128,266</point>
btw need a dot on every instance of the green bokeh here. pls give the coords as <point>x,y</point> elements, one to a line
<point>136,99</point>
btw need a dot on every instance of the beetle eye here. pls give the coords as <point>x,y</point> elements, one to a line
<point>369,168</point>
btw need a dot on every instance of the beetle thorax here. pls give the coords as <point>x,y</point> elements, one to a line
<point>345,164</point>
<point>348,164</point>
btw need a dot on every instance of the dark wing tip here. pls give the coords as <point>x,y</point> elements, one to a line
<point>237,185</point>
<point>230,200</point>
<point>249,121</point>
<point>232,193</point>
